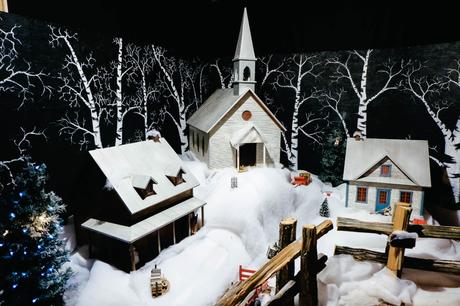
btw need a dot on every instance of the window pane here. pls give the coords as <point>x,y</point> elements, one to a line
<point>382,197</point>
<point>361,195</point>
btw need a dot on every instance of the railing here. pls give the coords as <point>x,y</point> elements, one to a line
<point>394,254</point>
<point>282,263</point>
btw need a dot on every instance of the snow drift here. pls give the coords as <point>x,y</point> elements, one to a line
<point>240,223</point>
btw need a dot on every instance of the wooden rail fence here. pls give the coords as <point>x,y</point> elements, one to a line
<point>394,254</point>
<point>282,263</point>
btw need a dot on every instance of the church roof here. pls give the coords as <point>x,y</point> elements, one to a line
<point>411,156</point>
<point>221,102</point>
<point>244,49</point>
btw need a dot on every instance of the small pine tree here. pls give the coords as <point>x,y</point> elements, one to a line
<point>333,158</point>
<point>324,209</point>
<point>31,252</point>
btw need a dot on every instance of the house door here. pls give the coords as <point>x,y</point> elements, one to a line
<point>248,153</point>
<point>383,199</point>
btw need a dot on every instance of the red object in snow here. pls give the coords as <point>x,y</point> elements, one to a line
<point>419,221</point>
<point>304,178</point>
<point>244,275</point>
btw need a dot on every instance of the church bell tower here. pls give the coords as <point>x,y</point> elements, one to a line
<point>244,61</point>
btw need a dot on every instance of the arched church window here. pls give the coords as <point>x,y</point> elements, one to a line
<point>246,74</point>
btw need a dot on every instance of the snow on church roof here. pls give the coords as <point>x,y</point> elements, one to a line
<point>411,156</point>
<point>218,105</point>
<point>133,165</point>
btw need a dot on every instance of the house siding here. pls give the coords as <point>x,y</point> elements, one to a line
<point>417,196</point>
<point>222,154</point>
<point>196,146</point>
<point>395,174</point>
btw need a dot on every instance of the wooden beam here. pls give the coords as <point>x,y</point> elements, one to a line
<point>308,290</point>
<point>287,234</point>
<point>4,6</point>
<point>285,294</point>
<point>436,265</point>
<point>396,254</point>
<point>422,230</point>
<point>237,293</point>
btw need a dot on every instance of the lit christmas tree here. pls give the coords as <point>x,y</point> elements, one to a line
<point>31,252</point>
<point>324,209</point>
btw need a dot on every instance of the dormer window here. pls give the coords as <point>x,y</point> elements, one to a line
<point>178,179</point>
<point>143,185</point>
<point>385,170</point>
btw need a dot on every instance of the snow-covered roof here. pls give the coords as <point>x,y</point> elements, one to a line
<point>247,134</point>
<point>143,228</point>
<point>244,48</point>
<point>133,165</point>
<point>410,156</point>
<point>221,102</point>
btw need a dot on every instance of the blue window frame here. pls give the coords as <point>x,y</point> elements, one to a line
<point>385,170</point>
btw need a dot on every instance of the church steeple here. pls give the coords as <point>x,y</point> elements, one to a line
<point>244,61</point>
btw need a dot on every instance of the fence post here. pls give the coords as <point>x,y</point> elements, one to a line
<point>396,255</point>
<point>308,291</point>
<point>287,235</point>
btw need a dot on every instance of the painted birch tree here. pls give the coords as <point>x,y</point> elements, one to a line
<point>16,74</point>
<point>78,85</point>
<point>141,62</point>
<point>428,91</point>
<point>299,67</point>
<point>359,80</point>
<point>177,81</point>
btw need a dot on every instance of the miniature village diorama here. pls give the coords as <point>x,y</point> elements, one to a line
<point>278,231</point>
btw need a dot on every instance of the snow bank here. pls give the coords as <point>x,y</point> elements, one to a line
<point>240,223</point>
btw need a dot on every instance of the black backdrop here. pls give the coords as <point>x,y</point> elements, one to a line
<point>396,114</point>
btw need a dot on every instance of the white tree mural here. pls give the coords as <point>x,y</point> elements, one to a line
<point>178,81</point>
<point>22,144</point>
<point>79,78</point>
<point>16,73</point>
<point>428,92</point>
<point>344,70</point>
<point>224,74</point>
<point>299,68</point>
<point>120,73</point>
<point>331,101</point>
<point>141,62</point>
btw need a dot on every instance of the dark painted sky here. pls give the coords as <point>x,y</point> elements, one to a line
<point>210,28</point>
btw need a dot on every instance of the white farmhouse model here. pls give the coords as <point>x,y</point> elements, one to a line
<point>233,127</point>
<point>382,172</point>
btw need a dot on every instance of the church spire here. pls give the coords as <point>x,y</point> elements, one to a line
<point>244,61</point>
<point>244,49</point>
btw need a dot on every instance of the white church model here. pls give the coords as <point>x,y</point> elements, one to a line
<point>233,127</point>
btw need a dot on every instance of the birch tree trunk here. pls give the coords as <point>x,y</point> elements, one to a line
<point>118,94</point>
<point>89,101</point>
<point>362,107</point>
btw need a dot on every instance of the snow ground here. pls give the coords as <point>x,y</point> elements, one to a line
<point>239,225</point>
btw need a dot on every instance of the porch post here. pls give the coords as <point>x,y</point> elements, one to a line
<point>202,216</point>
<point>264,155</point>
<point>238,158</point>
<point>159,242</point>
<point>174,232</point>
